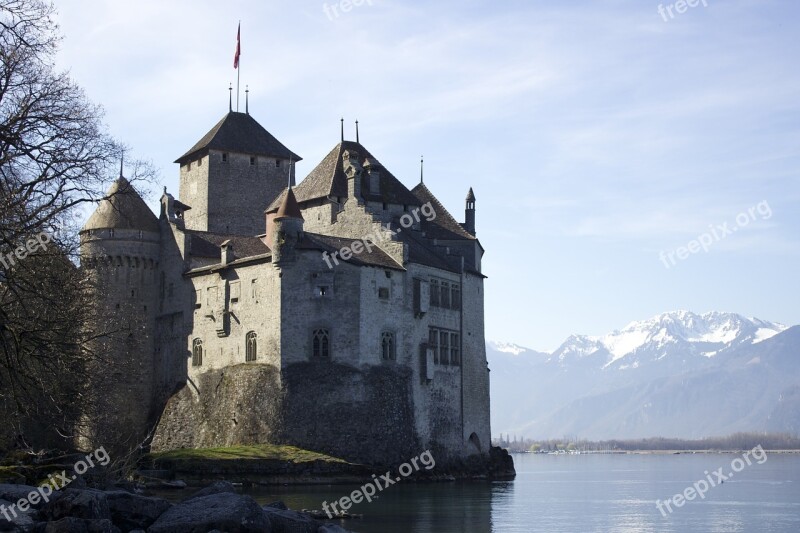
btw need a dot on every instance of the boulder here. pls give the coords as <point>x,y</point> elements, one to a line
<point>227,512</point>
<point>291,521</point>
<point>85,504</point>
<point>77,525</point>
<point>15,493</point>
<point>218,487</point>
<point>132,511</point>
<point>20,522</point>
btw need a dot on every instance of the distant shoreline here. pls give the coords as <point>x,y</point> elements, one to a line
<point>652,452</point>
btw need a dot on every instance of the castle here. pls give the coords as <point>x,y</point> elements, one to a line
<point>342,315</point>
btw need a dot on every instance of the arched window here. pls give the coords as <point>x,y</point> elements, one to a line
<point>251,346</point>
<point>321,342</point>
<point>387,346</point>
<point>197,352</point>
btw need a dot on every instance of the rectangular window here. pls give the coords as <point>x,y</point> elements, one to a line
<point>444,347</point>
<point>211,297</point>
<point>252,161</point>
<point>433,344</point>
<point>445,297</point>
<point>383,293</point>
<point>435,292</point>
<point>456,299</point>
<point>198,299</point>
<point>224,157</point>
<point>321,343</point>
<point>455,350</point>
<point>236,290</point>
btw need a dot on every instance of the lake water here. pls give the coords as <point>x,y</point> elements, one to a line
<point>581,493</point>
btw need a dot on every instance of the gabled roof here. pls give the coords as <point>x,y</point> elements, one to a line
<point>444,226</point>
<point>374,256</point>
<point>239,132</point>
<point>206,244</point>
<point>328,179</point>
<point>122,208</point>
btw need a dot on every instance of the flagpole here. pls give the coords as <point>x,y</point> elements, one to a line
<point>239,64</point>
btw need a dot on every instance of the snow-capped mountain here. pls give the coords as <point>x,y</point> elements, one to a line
<point>641,380</point>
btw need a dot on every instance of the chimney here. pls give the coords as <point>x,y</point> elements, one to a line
<point>226,252</point>
<point>469,213</point>
<point>352,169</point>
<point>374,172</point>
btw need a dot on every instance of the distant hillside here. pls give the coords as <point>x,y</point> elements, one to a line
<point>677,375</point>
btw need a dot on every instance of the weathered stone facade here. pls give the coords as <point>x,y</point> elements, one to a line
<point>344,315</point>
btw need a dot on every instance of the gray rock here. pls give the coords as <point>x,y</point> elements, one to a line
<point>15,493</point>
<point>85,504</point>
<point>291,521</point>
<point>78,525</point>
<point>277,505</point>
<point>22,522</point>
<point>131,511</point>
<point>227,512</point>
<point>218,487</point>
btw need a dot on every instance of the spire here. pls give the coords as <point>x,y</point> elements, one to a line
<point>247,99</point>
<point>421,164</point>
<point>357,131</point>
<point>230,97</point>
<point>342,121</point>
<point>121,162</point>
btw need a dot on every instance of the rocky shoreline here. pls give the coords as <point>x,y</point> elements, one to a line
<point>215,508</point>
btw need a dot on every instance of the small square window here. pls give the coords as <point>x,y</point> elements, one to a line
<point>383,293</point>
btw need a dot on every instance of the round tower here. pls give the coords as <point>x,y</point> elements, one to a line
<point>287,230</point>
<point>119,250</point>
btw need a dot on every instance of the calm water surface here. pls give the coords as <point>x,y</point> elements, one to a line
<point>580,493</point>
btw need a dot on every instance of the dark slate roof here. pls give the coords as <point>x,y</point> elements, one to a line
<point>205,244</point>
<point>289,207</point>
<point>328,179</point>
<point>327,243</point>
<point>239,132</point>
<point>444,226</point>
<point>122,208</point>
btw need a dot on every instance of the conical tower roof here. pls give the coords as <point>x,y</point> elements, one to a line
<point>289,207</point>
<point>122,208</point>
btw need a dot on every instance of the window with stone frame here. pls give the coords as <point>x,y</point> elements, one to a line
<point>433,344</point>
<point>444,298</point>
<point>251,347</point>
<point>388,346</point>
<point>321,343</point>
<point>444,347</point>
<point>455,350</point>
<point>455,300</point>
<point>435,292</point>
<point>197,352</point>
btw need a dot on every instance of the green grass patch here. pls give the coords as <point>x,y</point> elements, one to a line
<point>254,452</point>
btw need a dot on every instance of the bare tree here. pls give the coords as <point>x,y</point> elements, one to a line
<point>56,156</point>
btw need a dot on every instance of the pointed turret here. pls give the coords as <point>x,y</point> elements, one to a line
<point>469,212</point>
<point>285,230</point>
<point>122,208</point>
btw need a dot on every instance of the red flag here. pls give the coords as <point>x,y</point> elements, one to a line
<point>238,47</point>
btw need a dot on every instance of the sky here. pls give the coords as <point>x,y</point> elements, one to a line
<point>626,161</point>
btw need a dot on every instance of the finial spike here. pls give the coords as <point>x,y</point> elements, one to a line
<point>121,162</point>
<point>357,140</point>
<point>230,97</point>
<point>421,164</point>
<point>342,121</point>
<point>290,173</point>
<point>247,99</point>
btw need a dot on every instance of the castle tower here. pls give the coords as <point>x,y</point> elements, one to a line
<point>120,255</point>
<point>469,212</point>
<point>287,229</point>
<point>228,177</point>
